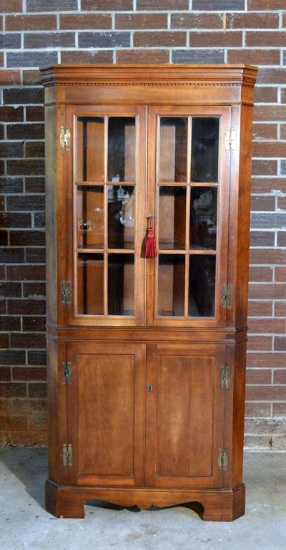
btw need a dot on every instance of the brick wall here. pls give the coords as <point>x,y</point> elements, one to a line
<point>39,32</point>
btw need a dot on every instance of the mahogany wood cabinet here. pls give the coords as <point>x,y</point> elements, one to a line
<point>148,195</point>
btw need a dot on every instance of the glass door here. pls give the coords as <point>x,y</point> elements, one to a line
<point>108,179</point>
<point>189,177</point>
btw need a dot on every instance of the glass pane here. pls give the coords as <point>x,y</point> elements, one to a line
<point>90,284</point>
<point>205,139</point>
<point>202,286</point>
<point>121,216</point>
<point>171,285</point>
<point>172,217</point>
<point>203,217</point>
<point>173,149</point>
<point>90,217</point>
<point>121,149</point>
<point>90,149</point>
<point>121,284</point>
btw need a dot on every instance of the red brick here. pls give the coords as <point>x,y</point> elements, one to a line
<point>85,21</point>
<point>29,373</point>
<point>274,291</point>
<point>107,5</point>
<point>268,360</point>
<point>260,238</point>
<point>142,56</point>
<point>266,393</point>
<point>196,21</point>
<point>5,374</point>
<point>259,203</point>
<point>280,274</point>
<point>215,39</point>
<point>262,308</point>
<point>283,130</point>
<point>260,274</point>
<point>149,5</point>
<point>271,76</point>
<point>254,57</point>
<point>265,131</point>
<point>267,39</point>
<point>258,409</point>
<point>261,343</point>
<point>37,390</point>
<point>280,309</point>
<point>257,376</point>
<point>279,409</point>
<point>7,6</point>
<point>159,39</point>
<point>265,94</point>
<point>253,21</point>
<point>266,5</point>
<point>267,185</point>
<point>269,149</point>
<point>10,77</point>
<point>280,343</point>
<point>81,56</point>
<point>280,376</point>
<point>31,22</point>
<point>264,167</point>
<point>266,326</point>
<point>268,257</point>
<point>8,390</point>
<point>14,423</point>
<point>141,21</point>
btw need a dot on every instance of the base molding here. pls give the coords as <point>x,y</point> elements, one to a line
<point>68,501</point>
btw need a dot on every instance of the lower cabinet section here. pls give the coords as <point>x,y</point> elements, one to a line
<point>145,424</point>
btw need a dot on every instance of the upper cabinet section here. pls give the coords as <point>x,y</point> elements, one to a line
<point>160,147</point>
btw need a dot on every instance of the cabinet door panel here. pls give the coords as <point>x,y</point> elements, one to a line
<point>187,402</point>
<point>188,182</point>
<point>106,413</point>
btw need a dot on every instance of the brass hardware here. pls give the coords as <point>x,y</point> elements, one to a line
<point>66,373</point>
<point>67,454</point>
<point>222,461</point>
<point>225,377</point>
<point>65,138</point>
<point>150,388</point>
<point>226,296</point>
<point>66,292</point>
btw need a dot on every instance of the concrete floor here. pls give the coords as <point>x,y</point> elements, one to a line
<point>24,523</point>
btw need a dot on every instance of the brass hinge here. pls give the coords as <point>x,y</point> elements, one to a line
<point>225,377</point>
<point>222,460</point>
<point>65,138</point>
<point>229,140</point>
<point>66,293</point>
<point>66,373</point>
<point>67,454</point>
<point>226,296</point>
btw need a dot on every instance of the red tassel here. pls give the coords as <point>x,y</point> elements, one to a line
<point>150,243</point>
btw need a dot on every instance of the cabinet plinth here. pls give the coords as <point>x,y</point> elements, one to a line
<point>147,342</point>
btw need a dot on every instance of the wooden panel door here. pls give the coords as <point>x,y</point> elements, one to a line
<point>105,413</point>
<point>185,416</point>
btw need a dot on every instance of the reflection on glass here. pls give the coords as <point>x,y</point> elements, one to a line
<point>121,284</point>
<point>171,285</point>
<point>90,217</point>
<point>121,216</point>
<point>204,159</point>
<point>121,149</point>
<point>90,284</point>
<point>203,217</point>
<point>202,286</point>
<point>172,217</point>
<point>173,149</point>
<point>90,149</point>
